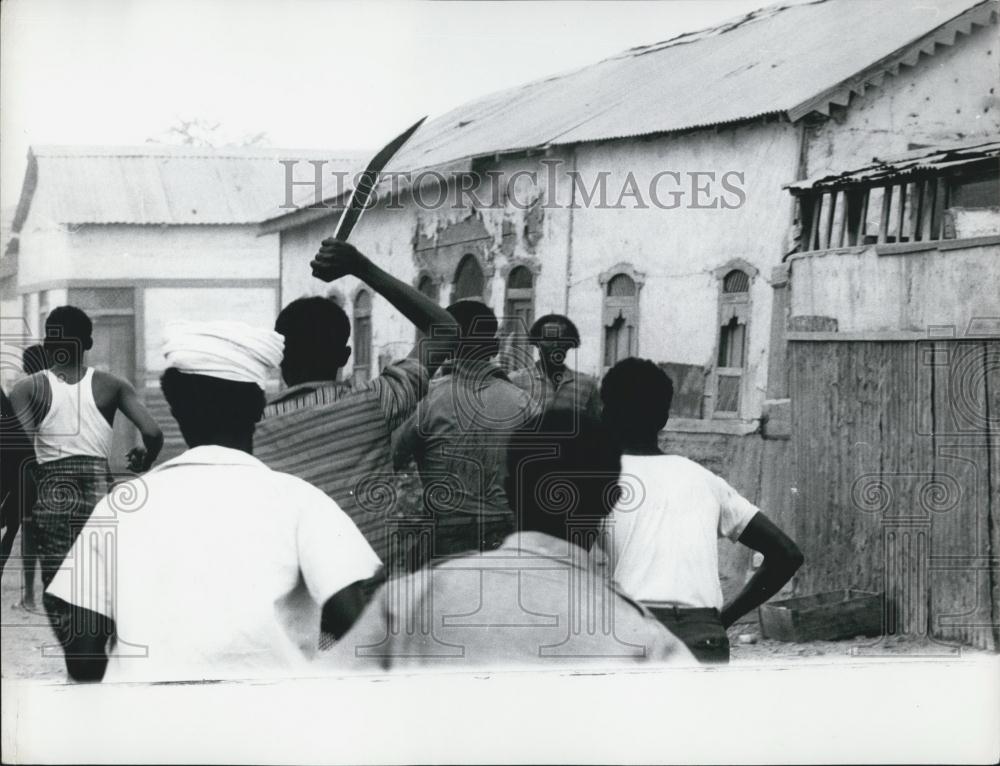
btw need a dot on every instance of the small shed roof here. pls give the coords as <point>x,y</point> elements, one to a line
<point>916,161</point>
<point>156,184</point>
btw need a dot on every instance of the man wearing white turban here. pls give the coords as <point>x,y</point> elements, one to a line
<point>222,567</point>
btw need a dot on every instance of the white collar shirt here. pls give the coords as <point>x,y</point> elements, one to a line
<point>213,566</point>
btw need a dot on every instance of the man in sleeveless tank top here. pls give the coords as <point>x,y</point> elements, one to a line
<point>69,410</point>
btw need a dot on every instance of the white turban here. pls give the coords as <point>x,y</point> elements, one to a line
<point>227,350</point>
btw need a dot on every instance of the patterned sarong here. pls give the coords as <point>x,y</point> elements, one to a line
<point>68,489</point>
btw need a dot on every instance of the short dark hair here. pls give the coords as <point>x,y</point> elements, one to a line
<point>34,359</point>
<point>316,330</point>
<point>68,329</point>
<point>568,332</point>
<point>562,475</point>
<point>637,395</point>
<point>477,329</point>
<point>207,407</point>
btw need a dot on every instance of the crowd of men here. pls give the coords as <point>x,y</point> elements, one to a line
<point>553,528</point>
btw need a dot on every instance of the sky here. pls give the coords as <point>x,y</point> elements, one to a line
<point>324,74</point>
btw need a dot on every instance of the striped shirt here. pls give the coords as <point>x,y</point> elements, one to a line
<point>338,438</point>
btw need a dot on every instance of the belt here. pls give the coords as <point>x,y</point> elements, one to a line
<point>685,611</point>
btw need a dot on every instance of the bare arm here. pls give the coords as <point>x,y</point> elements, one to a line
<point>24,400</point>
<point>782,558</point>
<point>140,458</point>
<point>336,259</point>
<point>344,607</point>
<point>84,636</point>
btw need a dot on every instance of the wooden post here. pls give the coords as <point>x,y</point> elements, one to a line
<point>902,213</point>
<point>931,213</point>
<point>943,200</point>
<point>845,213</point>
<point>828,240</point>
<point>918,209</point>
<point>883,224</point>
<point>859,235</point>
<point>817,210</point>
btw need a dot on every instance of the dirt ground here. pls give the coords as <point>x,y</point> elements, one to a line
<point>27,651</point>
<point>24,633</point>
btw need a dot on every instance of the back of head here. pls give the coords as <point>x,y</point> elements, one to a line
<point>636,394</point>
<point>477,330</point>
<point>562,476</point>
<point>212,410</point>
<point>316,332</point>
<point>34,359</point>
<point>215,379</point>
<point>68,333</point>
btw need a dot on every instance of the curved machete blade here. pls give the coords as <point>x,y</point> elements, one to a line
<point>359,199</point>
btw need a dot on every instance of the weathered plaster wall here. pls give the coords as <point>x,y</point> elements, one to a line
<point>865,291</point>
<point>677,250</point>
<point>387,238</point>
<point>45,254</point>
<point>256,306</point>
<point>50,252</point>
<point>948,97</point>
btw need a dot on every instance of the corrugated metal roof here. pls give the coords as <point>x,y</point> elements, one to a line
<point>782,60</point>
<point>156,184</point>
<point>925,159</point>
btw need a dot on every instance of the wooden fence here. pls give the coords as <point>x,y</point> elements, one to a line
<point>896,478</point>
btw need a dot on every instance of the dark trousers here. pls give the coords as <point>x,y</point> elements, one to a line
<point>700,629</point>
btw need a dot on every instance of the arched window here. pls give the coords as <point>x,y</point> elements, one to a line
<point>469,279</point>
<point>362,332</point>
<point>621,319</point>
<point>730,363</point>
<point>736,281</point>
<point>519,314</point>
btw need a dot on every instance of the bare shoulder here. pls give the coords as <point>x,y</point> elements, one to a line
<point>30,388</point>
<point>108,389</point>
<point>30,398</point>
<point>24,387</point>
<point>106,381</point>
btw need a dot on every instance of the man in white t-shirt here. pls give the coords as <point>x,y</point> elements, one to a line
<point>212,565</point>
<point>663,531</point>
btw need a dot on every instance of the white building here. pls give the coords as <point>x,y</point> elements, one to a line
<point>138,236</point>
<point>645,197</point>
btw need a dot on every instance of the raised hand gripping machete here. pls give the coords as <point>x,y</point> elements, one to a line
<point>366,183</point>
